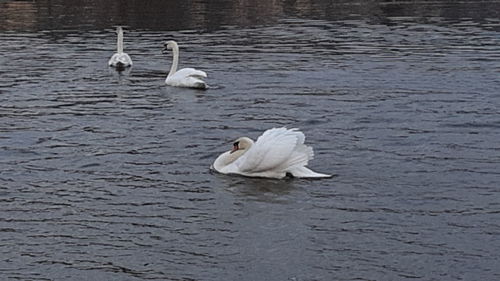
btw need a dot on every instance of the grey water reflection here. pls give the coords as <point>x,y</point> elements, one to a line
<point>105,175</point>
<point>211,15</point>
<point>267,190</point>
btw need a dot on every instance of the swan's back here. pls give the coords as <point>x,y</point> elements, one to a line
<point>187,77</point>
<point>120,60</point>
<point>276,149</point>
<point>191,72</point>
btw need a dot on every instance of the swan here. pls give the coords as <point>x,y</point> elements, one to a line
<point>186,77</point>
<point>276,153</point>
<point>120,59</point>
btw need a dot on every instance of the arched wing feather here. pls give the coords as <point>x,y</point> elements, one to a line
<point>273,150</point>
<point>191,72</point>
<point>120,58</point>
<point>187,77</point>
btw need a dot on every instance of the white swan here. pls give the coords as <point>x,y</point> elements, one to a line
<point>186,77</point>
<point>276,153</point>
<point>120,59</point>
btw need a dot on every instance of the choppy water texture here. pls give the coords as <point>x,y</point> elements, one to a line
<point>105,176</point>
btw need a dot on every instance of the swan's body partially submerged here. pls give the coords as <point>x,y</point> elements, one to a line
<point>186,77</point>
<point>276,153</point>
<point>120,59</point>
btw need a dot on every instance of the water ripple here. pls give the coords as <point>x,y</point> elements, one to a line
<point>105,175</point>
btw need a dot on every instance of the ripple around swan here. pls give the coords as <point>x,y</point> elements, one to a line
<point>105,175</point>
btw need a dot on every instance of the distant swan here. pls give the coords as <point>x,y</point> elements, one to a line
<point>186,77</point>
<point>276,153</point>
<point>120,60</point>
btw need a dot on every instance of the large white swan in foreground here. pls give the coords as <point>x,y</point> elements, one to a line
<point>120,59</point>
<point>276,153</point>
<point>186,77</point>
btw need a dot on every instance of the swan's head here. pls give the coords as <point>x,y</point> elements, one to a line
<point>170,45</point>
<point>241,145</point>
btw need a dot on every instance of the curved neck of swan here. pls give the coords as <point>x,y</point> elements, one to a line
<point>235,155</point>
<point>227,158</point>
<point>119,41</point>
<point>175,61</point>
<point>230,156</point>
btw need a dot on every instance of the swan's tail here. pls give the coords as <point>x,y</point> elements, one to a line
<point>193,82</point>
<point>303,172</point>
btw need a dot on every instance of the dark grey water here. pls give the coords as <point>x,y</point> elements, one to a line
<point>106,176</point>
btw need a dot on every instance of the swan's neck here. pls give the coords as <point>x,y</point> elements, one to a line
<point>119,41</point>
<point>235,155</point>
<point>231,156</point>
<point>175,61</point>
<point>226,158</point>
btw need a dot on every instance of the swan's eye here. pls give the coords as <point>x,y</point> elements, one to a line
<point>236,144</point>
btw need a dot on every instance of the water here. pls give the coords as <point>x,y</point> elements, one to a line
<point>105,176</point>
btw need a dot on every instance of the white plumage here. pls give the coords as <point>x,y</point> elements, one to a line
<point>186,77</point>
<point>276,153</point>
<point>120,59</point>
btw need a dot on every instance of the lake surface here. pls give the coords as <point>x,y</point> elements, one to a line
<point>105,175</point>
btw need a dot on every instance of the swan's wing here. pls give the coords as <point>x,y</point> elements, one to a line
<point>120,59</point>
<point>191,72</point>
<point>126,59</point>
<point>276,149</point>
<point>187,77</point>
<point>113,60</point>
